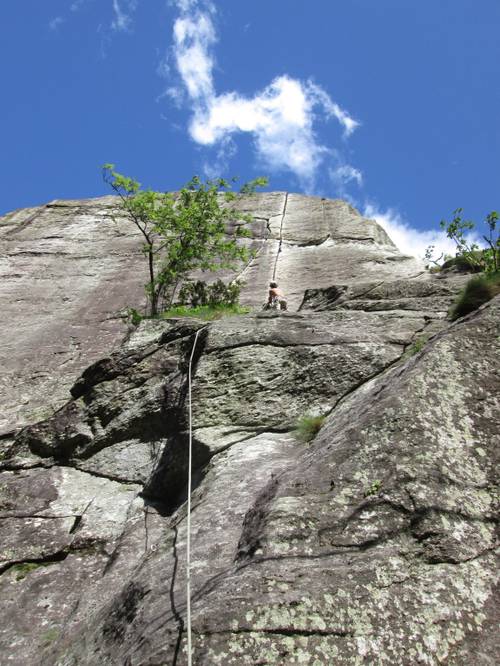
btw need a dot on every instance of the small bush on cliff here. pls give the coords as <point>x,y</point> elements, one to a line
<point>480,289</point>
<point>199,293</point>
<point>196,228</point>
<point>469,256</point>
<point>308,427</point>
<point>197,299</point>
<point>134,316</point>
<point>373,488</point>
<point>463,264</point>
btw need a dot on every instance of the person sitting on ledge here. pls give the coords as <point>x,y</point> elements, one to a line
<point>276,298</point>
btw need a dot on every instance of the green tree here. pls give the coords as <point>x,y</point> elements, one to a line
<point>486,259</point>
<point>252,185</point>
<point>196,228</point>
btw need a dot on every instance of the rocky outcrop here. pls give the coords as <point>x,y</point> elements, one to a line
<point>372,544</point>
<point>70,269</point>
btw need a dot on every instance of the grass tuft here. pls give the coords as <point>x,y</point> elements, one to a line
<point>308,427</point>
<point>206,312</point>
<point>478,290</point>
<point>417,345</point>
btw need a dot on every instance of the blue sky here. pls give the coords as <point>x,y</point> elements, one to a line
<point>392,104</point>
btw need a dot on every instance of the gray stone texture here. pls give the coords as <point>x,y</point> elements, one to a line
<point>372,544</point>
<point>69,270</point>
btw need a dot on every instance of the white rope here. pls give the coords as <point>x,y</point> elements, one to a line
<point>188,543</point>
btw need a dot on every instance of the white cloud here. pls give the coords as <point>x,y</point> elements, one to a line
<point>122,21</point>
<point>76,5</point>
<point>186,5</point>
<point>163,68</point>
<point>280,118</point>
<point>333,110</point>
<point>226,150</point>
<point>344,174</point>
<point>410,240</point>
<point>193,38</point>
<point>56,22</point>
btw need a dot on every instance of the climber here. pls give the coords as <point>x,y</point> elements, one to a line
<point>276,298</point>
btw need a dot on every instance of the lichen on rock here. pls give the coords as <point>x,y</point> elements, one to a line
<point>373,543</point>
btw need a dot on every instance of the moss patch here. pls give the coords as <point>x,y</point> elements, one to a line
<point>49,636</point>
<point>21,570</point>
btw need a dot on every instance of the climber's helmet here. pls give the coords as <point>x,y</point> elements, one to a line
<point>273,285</point>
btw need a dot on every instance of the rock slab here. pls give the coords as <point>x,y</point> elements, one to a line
<point>373,543</point>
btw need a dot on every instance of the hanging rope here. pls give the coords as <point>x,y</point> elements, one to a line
<point>188,542</point>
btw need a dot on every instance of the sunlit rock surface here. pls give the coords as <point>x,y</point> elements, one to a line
<point>69,270</point>
<point>373,544</point>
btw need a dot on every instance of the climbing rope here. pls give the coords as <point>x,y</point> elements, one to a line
<point>188,541</point>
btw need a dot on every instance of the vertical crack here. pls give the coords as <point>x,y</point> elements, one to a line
<point>281,236</point>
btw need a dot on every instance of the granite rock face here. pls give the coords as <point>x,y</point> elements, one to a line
<point>69,270</point>
<point>374,543</point>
